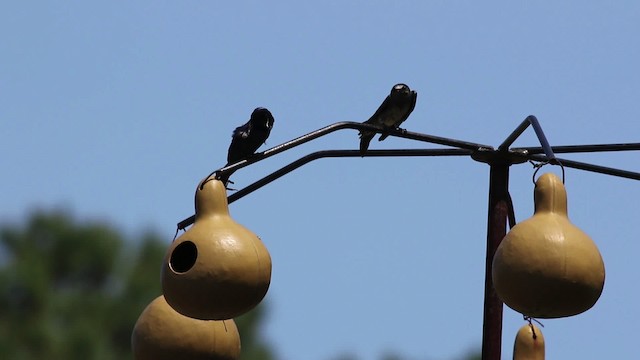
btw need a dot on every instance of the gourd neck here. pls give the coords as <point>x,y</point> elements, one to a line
<point>211,199</point>
<point>550,195</point>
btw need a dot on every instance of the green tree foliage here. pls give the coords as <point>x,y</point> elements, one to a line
<point>74,290</point>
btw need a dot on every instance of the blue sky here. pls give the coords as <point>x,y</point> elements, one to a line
<point>117,109</point>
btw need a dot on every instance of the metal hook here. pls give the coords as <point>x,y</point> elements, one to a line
<point>209,178</point>
<point>530,320</point>
<point>539,165</point>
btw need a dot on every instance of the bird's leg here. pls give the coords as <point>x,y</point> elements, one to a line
<point>227,183</point>
<point>384,134</point>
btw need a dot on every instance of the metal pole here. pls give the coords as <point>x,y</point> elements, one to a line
<point>496,230</point>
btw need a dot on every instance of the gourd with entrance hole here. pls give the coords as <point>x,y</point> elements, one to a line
<point>217,269</point>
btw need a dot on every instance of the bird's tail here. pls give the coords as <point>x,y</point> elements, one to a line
<point>365,140</point>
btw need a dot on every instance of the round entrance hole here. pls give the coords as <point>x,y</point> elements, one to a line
<point>183,257</point>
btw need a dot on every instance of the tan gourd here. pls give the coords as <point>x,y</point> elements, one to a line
<point>163,334</point>
<point>529,344</point>
<point>545,266</point>
<point>217,269</point>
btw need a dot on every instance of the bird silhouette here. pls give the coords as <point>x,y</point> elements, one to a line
<point>393,111</point>
<point>246,139</point>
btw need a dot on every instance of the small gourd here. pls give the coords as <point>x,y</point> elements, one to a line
<point>545,266</point>
<point>163,334</point>
<point>217,269</point>
<point>529,343</point>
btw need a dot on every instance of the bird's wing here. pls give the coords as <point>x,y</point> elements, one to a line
<point>242,132</point>
<point>375,118</point>
<point>238,139</point>
<point>385,105</point>
<point>404,117</point>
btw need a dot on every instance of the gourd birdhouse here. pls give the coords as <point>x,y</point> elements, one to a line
<point>545,266</point>
<point>161,333</point>
<point>217,269</point>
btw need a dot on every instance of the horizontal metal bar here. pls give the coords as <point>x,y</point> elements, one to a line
<point>438,140</point>
<point>589,167</point>
<point>348,125</point>
<point>583,148</point>
<point>330,154</point>
<point>341,153</point>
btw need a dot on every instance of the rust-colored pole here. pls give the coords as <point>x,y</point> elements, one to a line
<point>496,230</point>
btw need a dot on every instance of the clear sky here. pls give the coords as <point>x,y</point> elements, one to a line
<point>117,109</point>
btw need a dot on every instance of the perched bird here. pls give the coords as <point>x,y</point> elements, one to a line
<point>246,139</point>
<point>392,112</point>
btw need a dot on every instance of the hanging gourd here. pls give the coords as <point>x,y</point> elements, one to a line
<point>217,269</point>
<point>545,266</point>
<point>529,343</point>
<point>161,333</point>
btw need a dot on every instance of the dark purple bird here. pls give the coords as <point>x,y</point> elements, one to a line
<point>394,110</point>
<point>246,139</point>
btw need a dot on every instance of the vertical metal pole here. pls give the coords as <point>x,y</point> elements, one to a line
<point>496,230</point>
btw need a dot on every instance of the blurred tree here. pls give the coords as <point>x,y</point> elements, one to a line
<point>74,290</point>
<point>56,286</point>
